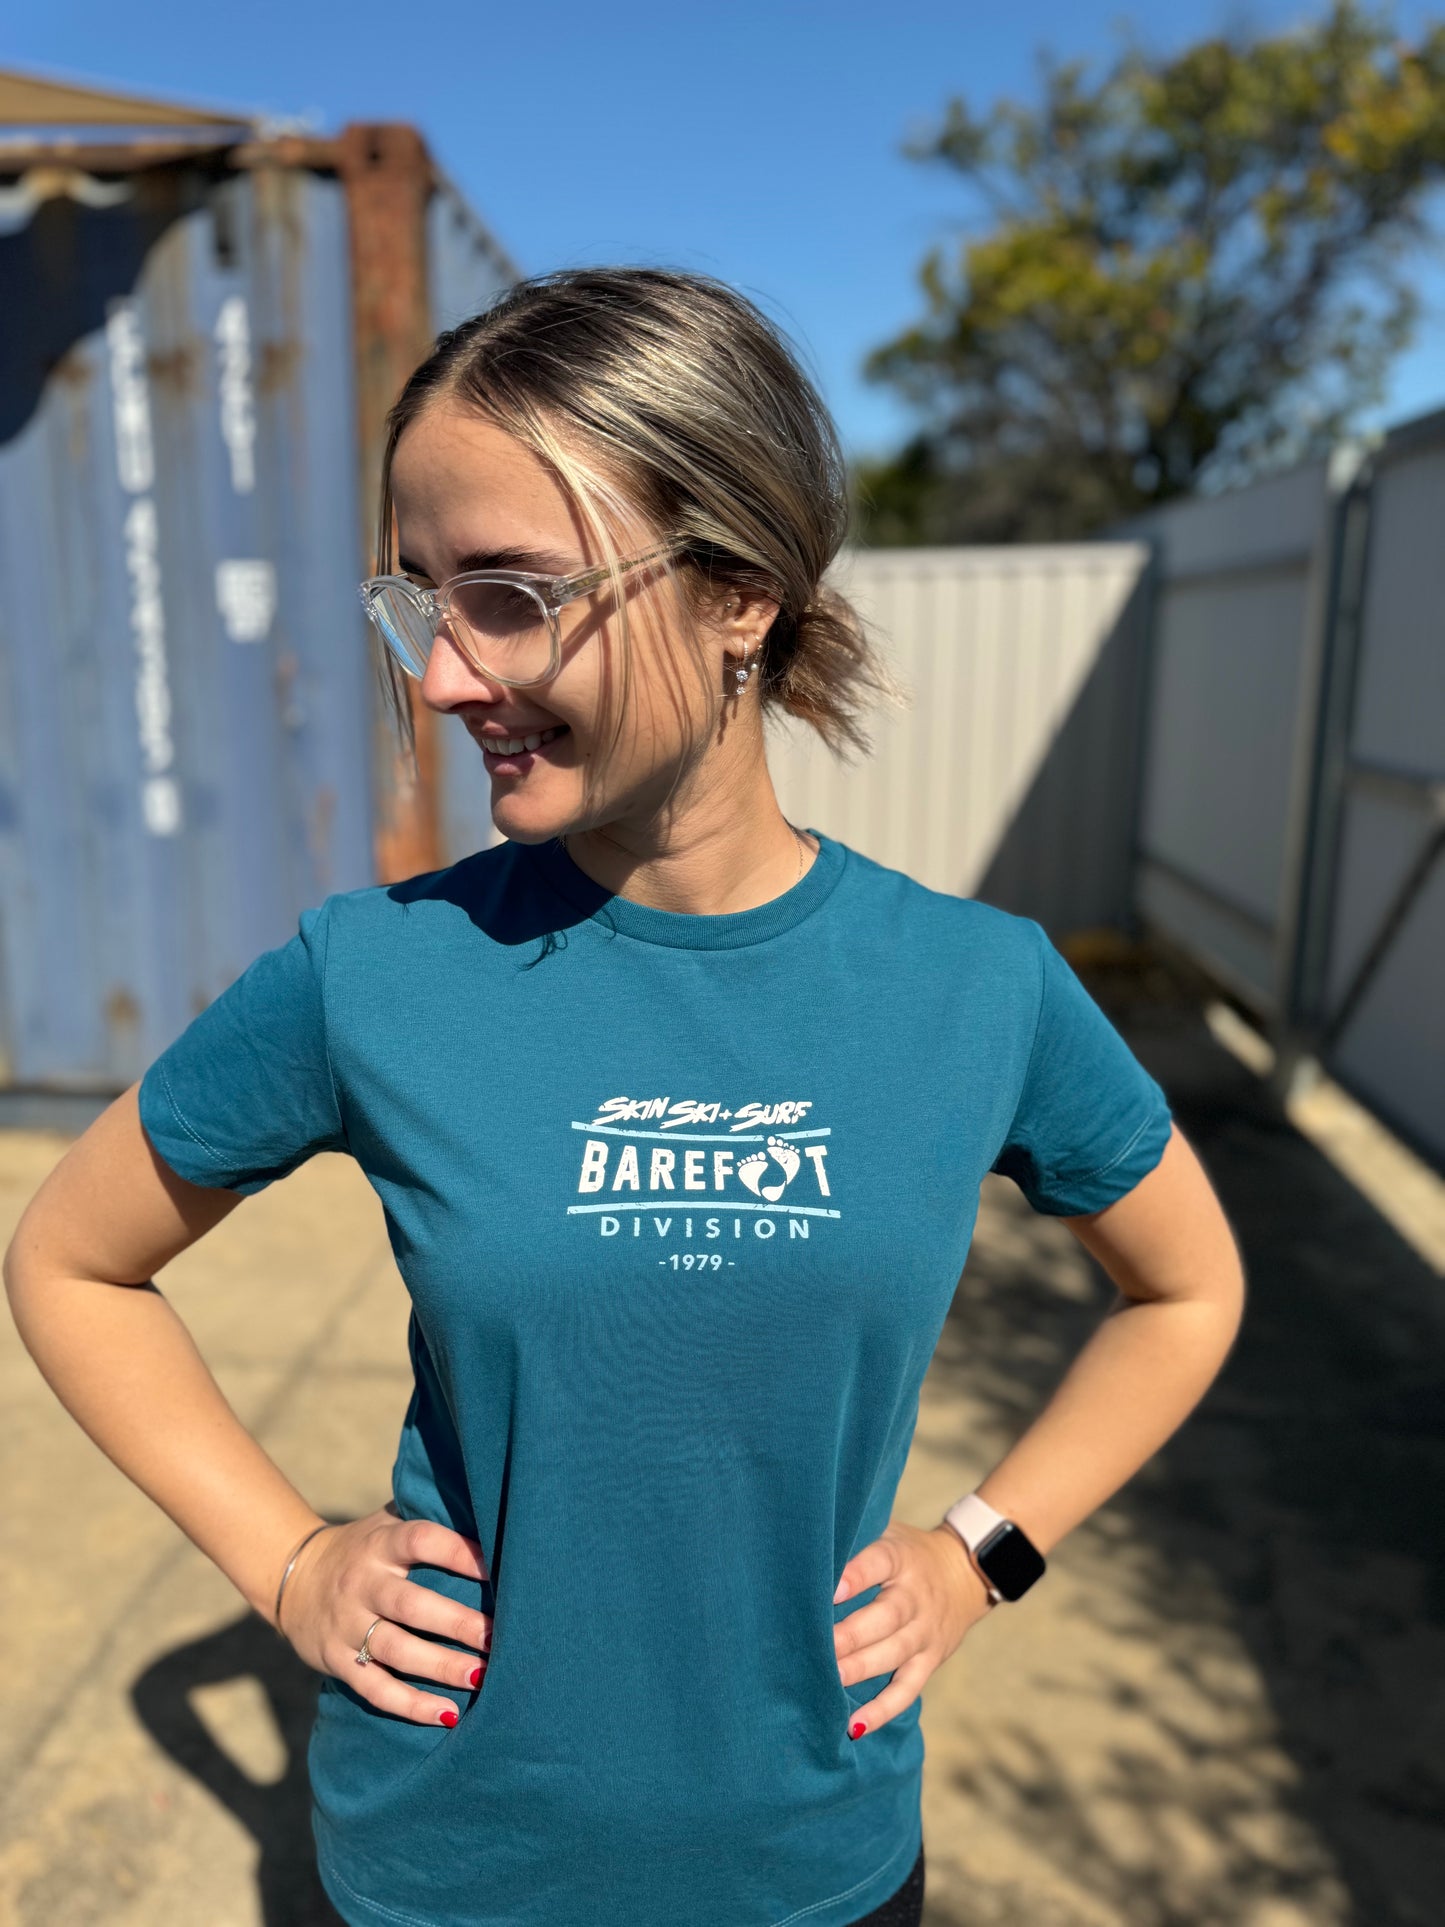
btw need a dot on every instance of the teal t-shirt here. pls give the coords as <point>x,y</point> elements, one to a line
<point>681,1203</point>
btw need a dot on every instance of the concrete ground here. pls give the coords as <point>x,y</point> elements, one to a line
<point>1224,1708</point>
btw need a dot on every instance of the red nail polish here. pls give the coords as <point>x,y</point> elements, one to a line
<point>476,1676</point>
<point>857,1730</point>
<point>449,1717</point>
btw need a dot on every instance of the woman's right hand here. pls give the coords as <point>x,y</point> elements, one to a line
<point>355,1573</point>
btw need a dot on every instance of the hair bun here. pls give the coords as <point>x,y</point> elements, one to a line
<point>810,654</point>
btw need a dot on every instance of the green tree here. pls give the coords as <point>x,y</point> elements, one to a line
<point>1192,271</point>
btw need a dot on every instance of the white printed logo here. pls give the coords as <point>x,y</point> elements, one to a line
<point>652,1167</point>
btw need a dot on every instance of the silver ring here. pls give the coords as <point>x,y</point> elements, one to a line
<point>364,1653</point>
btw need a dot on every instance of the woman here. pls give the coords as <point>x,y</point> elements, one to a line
<point>678,1114</point>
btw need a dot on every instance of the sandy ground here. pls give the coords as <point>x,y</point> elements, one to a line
<point>1225,1705</point>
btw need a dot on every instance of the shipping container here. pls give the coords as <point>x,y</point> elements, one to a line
<point>204,329</point>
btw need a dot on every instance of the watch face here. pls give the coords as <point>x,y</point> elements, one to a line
<point>1010,1560</point>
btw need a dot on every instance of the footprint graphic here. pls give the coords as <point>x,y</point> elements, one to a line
<point>752,1168</point>
<point>791,1162</point>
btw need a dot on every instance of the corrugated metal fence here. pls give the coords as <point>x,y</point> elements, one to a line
<point>1023,668</point>
<point>1241,589</point>
<point>1293,808</point>
<point>1232,726</point>
<point>1369,988</point>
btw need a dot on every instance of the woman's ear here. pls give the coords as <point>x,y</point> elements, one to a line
<point>744,619</point>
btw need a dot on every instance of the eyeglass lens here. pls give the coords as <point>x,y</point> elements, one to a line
<point>501,625</point>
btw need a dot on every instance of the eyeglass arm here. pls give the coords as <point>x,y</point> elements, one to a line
<point>573,585</point>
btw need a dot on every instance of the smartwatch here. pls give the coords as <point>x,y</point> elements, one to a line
<point>1003,1552</point>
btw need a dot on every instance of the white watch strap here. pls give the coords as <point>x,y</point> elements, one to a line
<point>973,1519</point>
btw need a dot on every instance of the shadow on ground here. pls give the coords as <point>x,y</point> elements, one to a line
<point>1298,1512</point>
<point>276,1814</point>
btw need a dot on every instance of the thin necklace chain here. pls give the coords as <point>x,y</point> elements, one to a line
<point>802,847</point>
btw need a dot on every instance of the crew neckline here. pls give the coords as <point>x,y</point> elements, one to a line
<point>685,929</point>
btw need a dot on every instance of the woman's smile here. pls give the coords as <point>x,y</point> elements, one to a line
<point>504,752</point>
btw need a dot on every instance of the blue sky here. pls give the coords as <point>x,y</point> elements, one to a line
<point>752,140</point>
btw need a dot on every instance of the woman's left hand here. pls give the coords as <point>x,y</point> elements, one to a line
<point>929,1596</point>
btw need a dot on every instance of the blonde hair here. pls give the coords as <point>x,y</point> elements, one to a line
<point>666,395</point>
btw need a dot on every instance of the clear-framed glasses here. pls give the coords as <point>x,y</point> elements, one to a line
<point>504,621</point>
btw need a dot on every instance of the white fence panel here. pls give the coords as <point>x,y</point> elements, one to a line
<point>1386,1031</point>
<point>1238,613</point>
<point>1292,823</point>
<point>1011,773</point>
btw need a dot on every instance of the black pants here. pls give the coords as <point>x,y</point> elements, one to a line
<point>903,1908</point>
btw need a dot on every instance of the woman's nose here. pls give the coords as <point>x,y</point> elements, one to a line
<point>450,679</point>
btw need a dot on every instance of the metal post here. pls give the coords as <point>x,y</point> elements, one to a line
<point>1144,613</point>
<point>1318,858</point>
<point>1321,611</point>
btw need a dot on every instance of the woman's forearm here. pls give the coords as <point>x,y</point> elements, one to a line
<point>1169,1249</point>
<point>124,1365</point>
<point>1131,1386</point>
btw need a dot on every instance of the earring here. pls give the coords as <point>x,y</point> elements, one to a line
<point>742,675</point>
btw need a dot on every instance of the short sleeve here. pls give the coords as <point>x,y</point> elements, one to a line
<point>245,1093</point>
<point>1090,1121</point>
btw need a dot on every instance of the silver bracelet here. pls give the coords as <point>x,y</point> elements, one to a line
<point>326,1527</point>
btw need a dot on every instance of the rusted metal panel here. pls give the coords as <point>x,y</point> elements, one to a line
<point>90,160</point>
<point>387,176</point>
<point>35,100</point>
<point>422,261</point>
<point>467,268</point>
